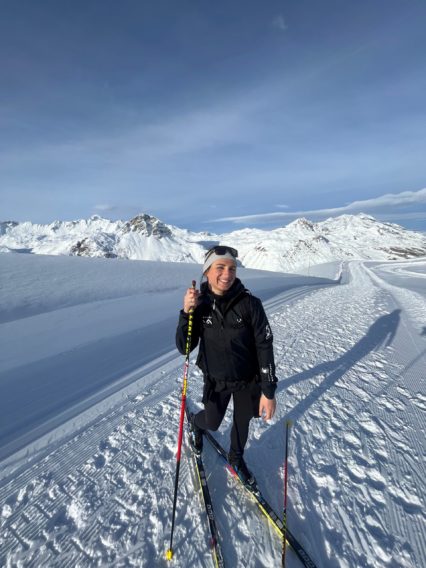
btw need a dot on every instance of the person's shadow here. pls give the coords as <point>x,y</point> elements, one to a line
<point>380,334</point>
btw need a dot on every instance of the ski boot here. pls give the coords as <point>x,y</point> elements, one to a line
<point>195,436</point>
<point>245,475</point>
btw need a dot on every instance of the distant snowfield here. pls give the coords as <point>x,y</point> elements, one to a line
<point>90,393</point>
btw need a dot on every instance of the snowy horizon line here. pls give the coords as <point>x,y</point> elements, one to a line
<point>388,219</point>
<point>381,208</point>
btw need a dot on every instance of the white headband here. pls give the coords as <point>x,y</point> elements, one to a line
<point>213,256</point>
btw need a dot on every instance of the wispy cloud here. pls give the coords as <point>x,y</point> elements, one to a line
<point>280,23</point>
<point>382,204</point>
<point>147,141</point>
<point>105,208</point>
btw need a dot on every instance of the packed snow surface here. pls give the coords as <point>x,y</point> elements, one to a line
<point>90,397</point>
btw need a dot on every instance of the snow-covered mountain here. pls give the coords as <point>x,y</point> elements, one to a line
<point>303,243</point>
<point>300,244</point>
<point>142,238</point>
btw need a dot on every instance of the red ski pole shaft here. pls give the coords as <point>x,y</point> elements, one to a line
<point>169,553</point>
<point>287,427</point>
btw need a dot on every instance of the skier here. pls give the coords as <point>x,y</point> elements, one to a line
<point>235,354</point>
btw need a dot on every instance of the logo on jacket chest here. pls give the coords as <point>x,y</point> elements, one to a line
<point>235,322</point>
<point>207,321</point>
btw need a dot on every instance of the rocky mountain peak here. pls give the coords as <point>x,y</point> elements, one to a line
<point>147,225</point>
<point>6,225</point>
<point>303,223</point>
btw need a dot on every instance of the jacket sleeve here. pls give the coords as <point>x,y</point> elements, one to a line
<point>182,332</point>
<point>265,353</point>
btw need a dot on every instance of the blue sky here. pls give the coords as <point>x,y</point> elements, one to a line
<point>213,115</point>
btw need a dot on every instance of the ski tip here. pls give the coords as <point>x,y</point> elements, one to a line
<point>169,554</point>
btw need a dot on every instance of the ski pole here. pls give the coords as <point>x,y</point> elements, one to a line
<point>169,553</point>
<point>287,427</point>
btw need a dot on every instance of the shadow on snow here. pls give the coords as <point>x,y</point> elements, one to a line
<point>380,334</point>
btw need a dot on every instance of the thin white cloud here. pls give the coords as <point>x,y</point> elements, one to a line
<point>389,200</point>
<point>279,23</point>
<point>147,142</point>
<point>105,207</point>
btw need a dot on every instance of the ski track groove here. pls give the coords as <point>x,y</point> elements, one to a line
<point>355,454</point>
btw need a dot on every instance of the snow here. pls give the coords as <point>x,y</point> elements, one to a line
<point>301,244</point>
<point>90,383</point>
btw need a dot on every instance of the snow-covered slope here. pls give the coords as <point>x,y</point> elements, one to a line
<point>288,249</point>
<point>142,238</point>
<point>87,361</point>
<point>304,243</point>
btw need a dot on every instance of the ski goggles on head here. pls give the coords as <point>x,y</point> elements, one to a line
<point>215,253</point>
<point>220,250</point>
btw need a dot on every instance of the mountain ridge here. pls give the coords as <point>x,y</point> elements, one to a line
<point>297,245</point>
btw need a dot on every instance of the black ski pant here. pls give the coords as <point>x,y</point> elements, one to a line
<point>246,407</point>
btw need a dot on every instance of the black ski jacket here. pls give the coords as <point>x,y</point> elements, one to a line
<point>235,340</point>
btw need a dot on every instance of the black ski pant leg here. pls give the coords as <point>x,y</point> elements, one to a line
<point>246,407</point>
<point>214,410</point>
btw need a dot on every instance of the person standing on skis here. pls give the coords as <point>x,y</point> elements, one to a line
<point>235,354</point>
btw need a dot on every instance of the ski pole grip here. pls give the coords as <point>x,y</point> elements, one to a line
<point>193,287</point>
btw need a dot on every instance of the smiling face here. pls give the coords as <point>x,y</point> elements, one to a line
<point>221,275</point>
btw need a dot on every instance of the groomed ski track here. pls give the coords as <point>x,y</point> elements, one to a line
<point>351,361</point>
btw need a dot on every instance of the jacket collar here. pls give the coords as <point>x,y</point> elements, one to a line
<point>227,299</point>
